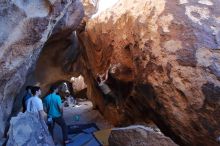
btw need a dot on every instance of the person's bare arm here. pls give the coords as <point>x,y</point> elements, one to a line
<point>43,115</point>
<point>106,75</point>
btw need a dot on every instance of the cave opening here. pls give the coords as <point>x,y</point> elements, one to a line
<point>59,64</point>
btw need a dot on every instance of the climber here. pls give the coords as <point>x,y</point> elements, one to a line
<point>26,97</point>
<point>108,93</point>
<point>35,105</point>
<point>54,108</point>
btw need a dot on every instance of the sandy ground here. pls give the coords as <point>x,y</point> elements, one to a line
<point>87,115</point>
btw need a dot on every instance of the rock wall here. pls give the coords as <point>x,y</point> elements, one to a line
<point>166,54</point>
<point>138,136</point>
<point>162,57</point>
<point>78,83</point>
<point>25,27</point>
<point>55,61</point>
<point>60,51</point>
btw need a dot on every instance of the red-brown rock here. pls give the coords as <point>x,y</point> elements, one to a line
<point>164,56</point>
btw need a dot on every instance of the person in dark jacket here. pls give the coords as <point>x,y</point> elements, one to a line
<point>27,96</point>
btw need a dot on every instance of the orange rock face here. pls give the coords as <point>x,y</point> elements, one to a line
<point>164,56</point>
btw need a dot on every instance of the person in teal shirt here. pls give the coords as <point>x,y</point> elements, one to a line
<point>54,108</point>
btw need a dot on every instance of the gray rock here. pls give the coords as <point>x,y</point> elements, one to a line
<point>26,129</point>
<point>2,141</point>
<point>25,26</point>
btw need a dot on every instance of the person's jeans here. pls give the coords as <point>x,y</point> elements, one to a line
<point>60,121</point>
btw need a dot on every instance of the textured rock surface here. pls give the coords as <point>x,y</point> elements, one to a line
<point>55,61</point>
<point>165,56</point>
<point>90,7</point>
<point>78,83</point>
<point>138,136</point>
<point>60,51</point>
<point>25,26</point>
<point>25,129</point>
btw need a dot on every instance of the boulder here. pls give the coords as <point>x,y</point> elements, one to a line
<point>138,136</point>
<point>164,56</point>
<point>25,26</point>
<point>26,129</point>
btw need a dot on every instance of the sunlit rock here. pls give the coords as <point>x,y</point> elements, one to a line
<point>163,61</point>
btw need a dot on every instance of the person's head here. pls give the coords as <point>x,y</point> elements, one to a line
<point>35,91</point>
<point>53,89</point>
<point>28,89</point>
